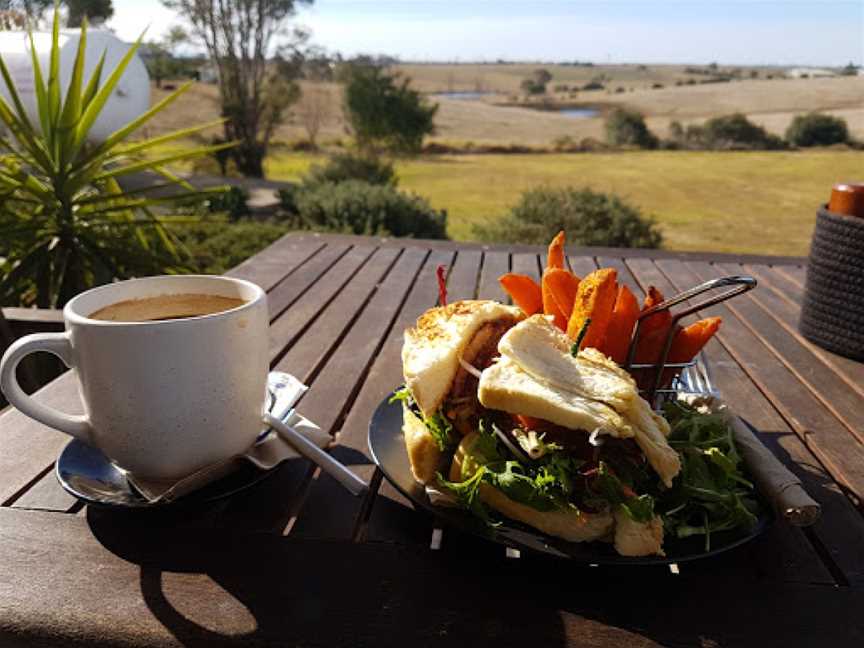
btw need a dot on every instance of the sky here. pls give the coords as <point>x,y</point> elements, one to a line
<point>748,32</point>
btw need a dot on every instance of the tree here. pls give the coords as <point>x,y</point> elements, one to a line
<point>850,70</point>
<point>93,10</point>
<point>542,76</point>
<point>313,110</point>
<point>817,129</point>
<point>162,64</point>
<point>627,128</point>
<point>238,37</point>
<point>384,112</point>
<point>17,14</point>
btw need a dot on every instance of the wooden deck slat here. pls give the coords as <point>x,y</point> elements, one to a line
<point>313,346</point>
<point>582,265</point>
<point>272,265</point>
<point>288,326</point>
<point>789,290</point>
<point>625,277</point>
<point>47,495</point>
<point>297,283</point>
<point>781,553</point>
<point>527,264</point>
<point>829,439</point>
<point>495,264</point>
<point>786,313</point>
<point>329,511</point>
<point>834,393</point>
<point>798,274</point>
<point>28,447</point>
<point>464,276</point>
<point>840,520</point>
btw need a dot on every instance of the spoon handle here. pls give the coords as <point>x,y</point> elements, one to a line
<point>328,464</point>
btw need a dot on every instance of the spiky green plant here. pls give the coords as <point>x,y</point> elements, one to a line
<point>65,222</point>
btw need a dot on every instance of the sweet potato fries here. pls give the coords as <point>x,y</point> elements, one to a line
<point>611,308</point>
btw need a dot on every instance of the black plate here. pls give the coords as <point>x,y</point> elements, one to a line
<point>388,451</point>
<point>88,474</point>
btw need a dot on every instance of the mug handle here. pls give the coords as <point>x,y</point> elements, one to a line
<point>59,345</point>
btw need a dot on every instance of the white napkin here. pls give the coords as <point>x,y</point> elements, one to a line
<point>268,451</point>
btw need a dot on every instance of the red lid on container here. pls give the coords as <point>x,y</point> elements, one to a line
<point>847,198</point>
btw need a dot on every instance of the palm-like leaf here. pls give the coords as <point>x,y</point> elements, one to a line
<point>67,224</point>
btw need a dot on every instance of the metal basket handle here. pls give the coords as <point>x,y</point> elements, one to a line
<point>736,284</point>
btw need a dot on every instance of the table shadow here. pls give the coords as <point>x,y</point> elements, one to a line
<point>316,592</point>
<point>334,593</point>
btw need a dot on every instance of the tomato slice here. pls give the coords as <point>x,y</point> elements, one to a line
<point>528,422</point>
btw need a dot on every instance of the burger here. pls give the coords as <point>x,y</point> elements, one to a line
<point>509,418</point>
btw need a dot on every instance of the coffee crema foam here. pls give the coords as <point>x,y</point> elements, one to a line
<point>166,307</point>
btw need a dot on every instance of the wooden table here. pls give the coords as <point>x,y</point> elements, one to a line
<point>298,561</point>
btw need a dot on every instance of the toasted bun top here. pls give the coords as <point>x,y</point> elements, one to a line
<point>431,352</point>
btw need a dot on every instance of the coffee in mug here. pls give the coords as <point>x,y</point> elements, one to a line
<point>172,371</point>
<point>165,307</point>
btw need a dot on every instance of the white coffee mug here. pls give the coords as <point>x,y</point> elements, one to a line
<point>164,398</point>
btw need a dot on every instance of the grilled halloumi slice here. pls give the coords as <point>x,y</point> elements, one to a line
<point>536,377</point>
<point>505,386</point>
<point>543,351</point>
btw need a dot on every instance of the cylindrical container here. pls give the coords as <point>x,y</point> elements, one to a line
<point>832,313</point>
<point>130,98</point>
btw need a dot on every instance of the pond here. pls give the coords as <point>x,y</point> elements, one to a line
<point>579,113</point>
<point>464,95</point>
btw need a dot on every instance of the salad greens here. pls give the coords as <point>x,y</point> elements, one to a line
<point>439,427</point>
<point>545,485</point>
<point>711,493</point>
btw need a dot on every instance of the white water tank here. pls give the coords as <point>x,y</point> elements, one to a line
<point>130,97</point>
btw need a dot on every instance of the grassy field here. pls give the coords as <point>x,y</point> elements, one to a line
<point>772,104</point>
<point>505,78</point>
<point>761,203</point>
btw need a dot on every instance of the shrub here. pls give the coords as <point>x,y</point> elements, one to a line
<point>531,87</point>
<point>817,129</point>
<point>214,247</point>
<point>627,128</point>
<point>593,85</point>
<point>565,143</point>
<point>737,132</point>
<point>231,202</point>
<point>344,166</point>
<point>355,207</point>
<point>589,218</point>
<point>288,199</point>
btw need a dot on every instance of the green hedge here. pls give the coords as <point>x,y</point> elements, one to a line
<point>817,129</point>
<point>214,247</point>
<point>589,218</point>
<point>355,207</point>
<point>345,166</point>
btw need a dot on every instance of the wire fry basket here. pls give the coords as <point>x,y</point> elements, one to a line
<point>682,377</point>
